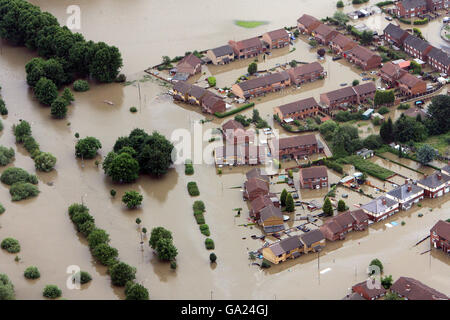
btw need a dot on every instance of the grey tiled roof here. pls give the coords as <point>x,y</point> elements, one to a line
<point>403,193</point>
<point>376,206</point>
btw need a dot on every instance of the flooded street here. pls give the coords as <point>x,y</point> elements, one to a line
<point>145,31</point>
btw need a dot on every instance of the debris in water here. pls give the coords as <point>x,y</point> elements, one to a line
<point>108,102</point>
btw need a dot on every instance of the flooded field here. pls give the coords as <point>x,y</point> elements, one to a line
<point>145,31</point>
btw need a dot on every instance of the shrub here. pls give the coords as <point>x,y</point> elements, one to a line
<point>6,288</point>
<point>383,110</point>
<point>6,155</point>
<point>265,264</point>
<point>368,167</point>
<point>105,253</point>
<point>403,106</point>
<point>82,276</point>
<point>80,218</point>
<point>199,217</point>
<point>96,237</point>
<point>132,199</point>
<point>377,263</point>
<point>11,245</point>
<point>77,208</point>
<point>157,234</point>
<point>51,291</point>
<point>86,228</point>
<point>113,193</point>
<point>204,229</point>
<point>13,175</point>
<point>121,167</point>
<point>234,111</point>
<point>21,131</point>
<point>199,206</point>
<point>67,96</point>
<point>173,265</point>
<point>58,108</point>
<point>193,189</point>
<point>188,168</point>
<point>121,78</point>
<point>45,161</point>
<point>23,190</point>
<point>133,110</point>
<point>80,86</point>
<point>121,273</point>
<point>209,244</point>
<point>45,91</point>
<point>212,257</point>
<point>212,81</point>
<point>135,291</point>
<point>32,273</point>
<point>2,209</point>
<point>166,250</point>
<point>87,147</point>
<point>31,145</point>
<point>3,109</point>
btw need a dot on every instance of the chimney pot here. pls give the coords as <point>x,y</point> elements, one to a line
<point>383,201</point>
<point>439,176</point>
<point>409,188</point>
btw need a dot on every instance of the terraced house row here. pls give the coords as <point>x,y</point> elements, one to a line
<point>414,8</point>
<point>198,96</point>
<point>418,48</point>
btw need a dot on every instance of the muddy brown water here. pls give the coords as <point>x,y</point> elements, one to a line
<point>144,32</point>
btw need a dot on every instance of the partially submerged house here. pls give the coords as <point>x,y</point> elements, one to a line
<point>323,34</point>
<point>435,185</point>
<point>254,187</point>
<point>315,177</point>
<point>406,195</point>
<point>371,292</point>
<point>439,60</point>
<point>363,57</point>
<point>260,203</point>
<point>417,47</point>
<point>221,55</point>
<point>276,39</point>
<point>391,72</point>
<point>412,289</point>
<point>410,8</point>
<point>271,219</point>
<point>337,227</point>
<point>380,208</point>
<point>340,44</point>
<point>307,24</point>
<point>190,64</point>
<point>212,103</point>
<point>295,146</point>
<point>411,85</point>
<point>261,85</point>
<point>247,48</point>
<point>306,73</point>
<point>395,34</point>
<point>289,248</point>
<point>235,133</point>
<point>313,241</point>
<point>297,110</point>
<point>440,236</point>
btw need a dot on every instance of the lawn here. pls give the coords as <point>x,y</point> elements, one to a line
<point>440,142</point>
<point>249,24</point>
<point>367,167</point>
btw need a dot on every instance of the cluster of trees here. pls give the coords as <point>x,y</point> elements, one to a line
<point>22,183</point>
<point>162,242</point>
<point>87,148</point>
<point>24,24</point>
<point>6,288</point>
<point>138,153</point>
<point>11,245</point>
<point>6,155</point>
<point>132,199</point>
<point>406,129</point>
<point>286,200</point>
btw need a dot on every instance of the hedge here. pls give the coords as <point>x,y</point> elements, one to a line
<point>204,229</point>
<point>193,189</point>
<point>236,110</point>
<point>368,167</point>
<point>421,22</point>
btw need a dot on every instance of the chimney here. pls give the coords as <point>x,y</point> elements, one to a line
<point>383,201</point>
<point>406,181</point>
<point>409,188</point>
<point>439,176</point>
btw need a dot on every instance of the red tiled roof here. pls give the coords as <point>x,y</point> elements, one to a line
<point>370,292</point>
<point>298,106</point>
<point>409,80</point>
<point>362,53</point>
<point>305,69</point>
<point>232,125</point>
<point>314,172</point>
<point>307,20</point>
<point>413,289</point>
<point>278,34</point>
<point>442,229</point>
<point>295,141</point>
<point>248,43</point>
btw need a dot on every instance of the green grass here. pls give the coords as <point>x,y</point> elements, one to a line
<point>368,167</point>
<point>249,24</point>
<point>440,142</point>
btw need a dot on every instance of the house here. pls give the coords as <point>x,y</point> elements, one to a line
<point>276,39</point>
<point>410,85</point>
<point>314,177</point>
<point>440,236</point>
<point>221,55</point>
<point>246,48</point>
<point>307,24</point>
<point>337,227</point>
<point>190,64</point>
<point>435,185</point>
<point>313,240</point>
<point>365,153</point>
<point>196,94</point>
<point>181,90</point>
<point>414,112</point>
<point>446,170</point>
<point>412,289</point>
<point>289,248</point>
<point>298,110</point>
<point>271,219</point>
<point>439,60</point>
<point>417,47</point>
<point>253,188</point>
<point>410,8</point>
<point>406,195</point>
<point>395,34</point>
<point>295,146</point>
<point>380,208</point>
<point>306,73</point>
<point>391,72</point>
<point>365,92</point>
<point>235,133</point>
<point>260,203</point>
<point>323,34</point>
<point>361,222</point>
<point>371,292</point>
<point>239,154</point>
<point>261,85</point>
<point>341,43</point>
<point>333,100</point>
<point>257,173</point>
<point>212,103</point>
<point>435,5</point>
<point>363,57</point>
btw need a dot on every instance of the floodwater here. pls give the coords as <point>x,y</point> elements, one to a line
<point>145,31</point>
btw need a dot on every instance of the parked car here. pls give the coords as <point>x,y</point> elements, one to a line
<point>389,18</point>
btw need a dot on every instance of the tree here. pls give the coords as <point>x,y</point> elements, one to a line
<point>341,17</point>
<point>105,254</point>
<point>293,63</point>
<point>13,175</point>
<point>387,131</point>
<point>80,86</point>
<point>340,4</point>
<point>387,281</point>
<point>135,291</point>
<point>51,291</point>
<point>355,82</point>
<point>313,43</point>
<point>283,197</point>
<point>96,237</point>
<point>166,250</point>
<point>105,63</point>
<point>373,142</point>
<point>121,168</point>
<point>252,68</point>
<point>121,273</point>
<point>46,91</point>
<point>23,190</point>
<point>425,154</point>
<point>408,129</point>
<point>45,161</point>
<point>321,52</point>
<point>59,108</point>
<point>67,96</point>
<point>87,147</point>
<point>6,155</point>
<point>327,207</point>
<point>327,128</point>
<point>439,111</point>
<point>290,206</point>
<point>157,234</point>
<point>377,263</point>
<point>345,141</point>
<point>83,276</point>
<point>384,97</point>
<point>32,273</point>
<point>11,245</point>
<point>341,206</point>
<point>212,257</point>
<point>366,37</point>
<point>416,67</point>
<point>22,131</point>
<point>6,288</point>
<point>155,154</point>
<point>255,116</point>
<point>132,199</point>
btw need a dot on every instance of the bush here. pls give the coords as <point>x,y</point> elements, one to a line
<point>383,110</point>
<point>368,167</point>
<point>209,244</point>
<point>403,106</point>
<point>166,250</point>
<point>82,276</point>
<point>80,86</point>
<point>212,257</point>
<point>193,189</point>
<point>104,253</point>
<point>133,110</point>
<point>6,288</point>
<point>51,291</point>
<point>199,217</point>
<point>86,227</point>
<point>3,109</point>
<point>80,219</point>
<point>421,21</point>
<point>87,147</point>
<point>6,155</point>
<point>204,229</point>
<point>265,264</point>
<point>113,193</point>
<point>67,96</point>
<point>173,265</point>
<point>22,131</point>
<point>198,206</point>
<point>135,291</point>
<point>132,199</point>
<point>121,273</point>
<point>157,234</point>
<point>58,108</point>
<point>212,81</point>
<point>45,91</point>
<point>188,168</point>
<point>45,161</point>
<point>77,208</point>
<point>11,245</point>
<point>121,167</point>
<point>97,237</point>
<point>2,209</point>
<point>13,175</point>
<point>23,190</point>
<point>31,145</point>
<point>32,273</point>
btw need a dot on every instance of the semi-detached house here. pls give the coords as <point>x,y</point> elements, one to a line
<point>406,195</point>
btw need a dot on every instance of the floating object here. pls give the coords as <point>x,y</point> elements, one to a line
<point>325,270</point>
<point>108,102</point>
